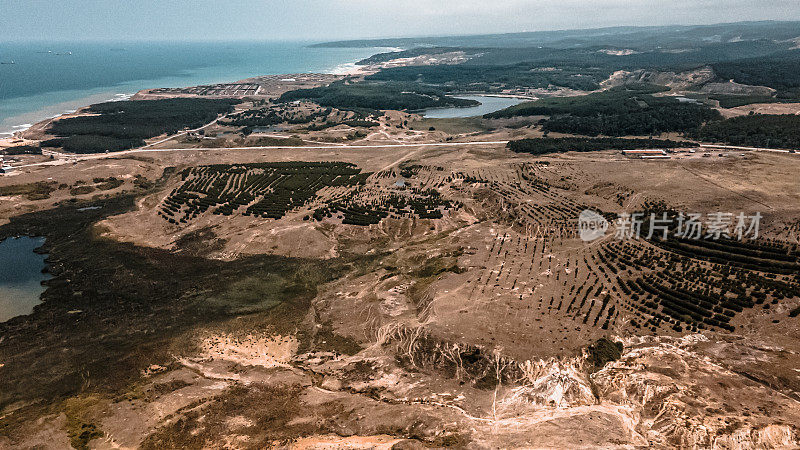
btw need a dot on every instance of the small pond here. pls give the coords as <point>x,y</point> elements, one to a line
<point>20,276</point>
<point>488,105</point>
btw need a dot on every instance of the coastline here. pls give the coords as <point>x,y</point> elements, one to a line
<point>54,111</point>
<point>26,111</point>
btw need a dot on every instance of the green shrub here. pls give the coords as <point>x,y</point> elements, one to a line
<point>603,351</point>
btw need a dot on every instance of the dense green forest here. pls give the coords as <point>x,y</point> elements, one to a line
<point>92,143</point>
<point>616,112</point>
<point>583,68</point>
<point>770,131</point>
<point>596,55</point>
<point>780,72</point>
<point>125,124</point>
<point>613,101</point>
<point>376,96</point>
<point>464,77</point>
<point>756,53</point>
<point>23,150</point>
<point>542,146</point>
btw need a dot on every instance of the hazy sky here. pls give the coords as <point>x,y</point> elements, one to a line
<point>338,19</point>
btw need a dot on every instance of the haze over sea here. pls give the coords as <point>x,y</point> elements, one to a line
<point>49,79</point>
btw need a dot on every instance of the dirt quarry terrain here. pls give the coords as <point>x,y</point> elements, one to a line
<point>401,297</point>
<point>307,261</point>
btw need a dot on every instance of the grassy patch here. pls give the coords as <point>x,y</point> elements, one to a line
<point>451,126</point>
<point>152,392</point>
<point>604,351</point>
<point>267,141</point>
<point>436,266</point>
<point>106,184</point>
<point>134,302</point>
<point>200,242</point>
<point>31,191</point>
<point>256,293</point>
<point>143,183</point>
<point>268,412</point>
<point>326,340</point>
<point>82,190</point>
<point>80,427</point>
<point>214,143</point>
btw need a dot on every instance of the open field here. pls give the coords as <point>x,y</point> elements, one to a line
<point>257,87</point>
<point>474,318</point>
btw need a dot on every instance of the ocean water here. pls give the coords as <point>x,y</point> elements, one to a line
<point>49,79</point>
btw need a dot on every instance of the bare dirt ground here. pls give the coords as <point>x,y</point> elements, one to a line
<point>762,108</point>
<point>471,329</point>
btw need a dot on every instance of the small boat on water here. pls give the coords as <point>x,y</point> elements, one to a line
<point>8,62</point>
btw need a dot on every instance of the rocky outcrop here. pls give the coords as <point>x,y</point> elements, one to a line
<point>675,80</point>
<point>686,400</point>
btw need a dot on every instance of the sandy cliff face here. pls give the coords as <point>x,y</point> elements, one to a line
<point>688,400</point>
<point>662,393</point>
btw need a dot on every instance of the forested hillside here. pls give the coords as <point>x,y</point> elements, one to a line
<point>397,96</point>
<point>466,77</point>
<point>542,146</point>
<point>771,131</point>
<point>616,112</point>
<point>126,124</point>
<point>753,53</point>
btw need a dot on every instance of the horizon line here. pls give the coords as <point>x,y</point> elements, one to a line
<point>376,38</point>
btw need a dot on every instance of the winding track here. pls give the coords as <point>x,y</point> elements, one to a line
<point>66,158</point>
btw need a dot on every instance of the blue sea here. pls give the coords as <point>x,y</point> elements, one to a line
<point>49,79</point>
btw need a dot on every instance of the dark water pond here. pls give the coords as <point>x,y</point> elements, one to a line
<point>20,276</point>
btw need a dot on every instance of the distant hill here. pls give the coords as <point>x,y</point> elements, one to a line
<point>642,38</point>
<point>761,54</point>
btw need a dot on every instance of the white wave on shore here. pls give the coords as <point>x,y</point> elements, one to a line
<point>344,69</point>
<point>120,97</point>
<point>59,110</point>
<point>16,129</point>
<point>353,68</point>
